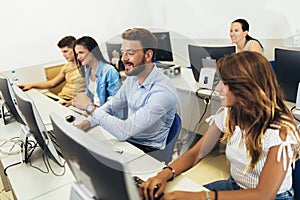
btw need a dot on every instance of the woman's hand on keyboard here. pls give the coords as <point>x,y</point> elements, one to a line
<point>153,188</point>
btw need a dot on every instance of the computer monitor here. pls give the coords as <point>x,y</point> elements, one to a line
<point>287,69</point>
<point>164,50</point>
<point>35,126</point>
<point>197,53</point>
<point>115,48</point>
<point>97,168</point>
<point>6,90</point>
<point>111,47</point>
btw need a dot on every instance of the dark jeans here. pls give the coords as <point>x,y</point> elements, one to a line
<point>146,149</point>
<point>230,184</point>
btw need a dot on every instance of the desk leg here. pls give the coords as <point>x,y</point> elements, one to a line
<point>4,178</point>
<point>5,181</point>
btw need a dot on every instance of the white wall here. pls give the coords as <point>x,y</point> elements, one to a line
<point>31,29</point>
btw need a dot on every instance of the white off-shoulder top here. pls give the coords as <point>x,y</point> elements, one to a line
<point>237,155</point>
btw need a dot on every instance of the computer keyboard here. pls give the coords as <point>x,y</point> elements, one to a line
<point>77,110</point>
<point>164,65</point>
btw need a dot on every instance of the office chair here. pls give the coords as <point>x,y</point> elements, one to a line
<point>296,180</point>
<point>165,155</point>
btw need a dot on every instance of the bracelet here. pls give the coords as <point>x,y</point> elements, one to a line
<point>207,195</point>
<point>172,170</point>
<point>216,194</point>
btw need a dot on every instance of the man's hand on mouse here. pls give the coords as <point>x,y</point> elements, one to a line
<point>84,125</point>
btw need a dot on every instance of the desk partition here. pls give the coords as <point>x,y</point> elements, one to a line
<point>192,104</point>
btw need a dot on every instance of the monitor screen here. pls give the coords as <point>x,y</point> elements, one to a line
<point>287,69</point>
<point>114,52</point>
<point>113,47</point>
<point>7,94</point>
<point>164,50</point>
<point>35,125</point>
<point>98,168</point>
<point>197,53</point>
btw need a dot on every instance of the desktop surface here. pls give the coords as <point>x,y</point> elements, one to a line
<point>49,185</point>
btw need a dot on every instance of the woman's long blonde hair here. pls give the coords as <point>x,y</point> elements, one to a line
<point>259,101</point>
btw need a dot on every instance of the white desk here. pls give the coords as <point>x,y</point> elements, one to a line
<point>29,183</point>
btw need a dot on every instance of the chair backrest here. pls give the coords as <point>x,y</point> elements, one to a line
<point>165,155</point>
<point>52,72</point>
<point>296,180</point>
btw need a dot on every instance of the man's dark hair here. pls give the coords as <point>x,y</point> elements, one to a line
<point>147,39</point>
<point>67,41</point>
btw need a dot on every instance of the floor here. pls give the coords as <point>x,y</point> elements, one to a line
<point>211,168</point>
<point>5,195</point>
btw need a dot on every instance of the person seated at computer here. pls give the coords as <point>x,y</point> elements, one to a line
<point>260,132</point>
<point>149,95</point>
<point>74,83</point>
<point>239,34</point>
<point>101,78</point>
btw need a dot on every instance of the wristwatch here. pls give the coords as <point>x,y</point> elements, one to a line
<point>90,108</point>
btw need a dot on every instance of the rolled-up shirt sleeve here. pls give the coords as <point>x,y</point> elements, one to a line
<point>156,107</point>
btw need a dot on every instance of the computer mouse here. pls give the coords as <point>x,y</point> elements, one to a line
<point>70,118</point>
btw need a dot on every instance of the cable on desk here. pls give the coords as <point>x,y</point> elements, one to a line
<point>16,141</point>
<point>48,166</point>
<point>206,99</point>
<point>64,167</point>
<point>207,102</point>
<point>41,170</point>
<point>4,171</point>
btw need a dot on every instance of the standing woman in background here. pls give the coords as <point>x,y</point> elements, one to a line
<point>239,30</point>
<point>102,79</point>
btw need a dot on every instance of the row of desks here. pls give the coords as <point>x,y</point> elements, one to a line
<point>29,183</point>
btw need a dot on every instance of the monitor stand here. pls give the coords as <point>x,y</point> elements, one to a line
<point>80,192</point>
<point>26,153</point>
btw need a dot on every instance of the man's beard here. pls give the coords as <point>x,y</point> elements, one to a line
<point>137,69</point>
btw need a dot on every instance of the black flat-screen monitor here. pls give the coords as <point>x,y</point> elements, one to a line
<point>96,166</point>
<point>164,50</point>
<point>36,126</point>
<point>10,102</point>
<point>197,53</point>
<point>287,69</point>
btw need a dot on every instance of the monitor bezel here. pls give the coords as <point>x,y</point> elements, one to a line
<point>198,52</point>
<point>164,51</point>
<point>6,89</point>
<point>287,72</point>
